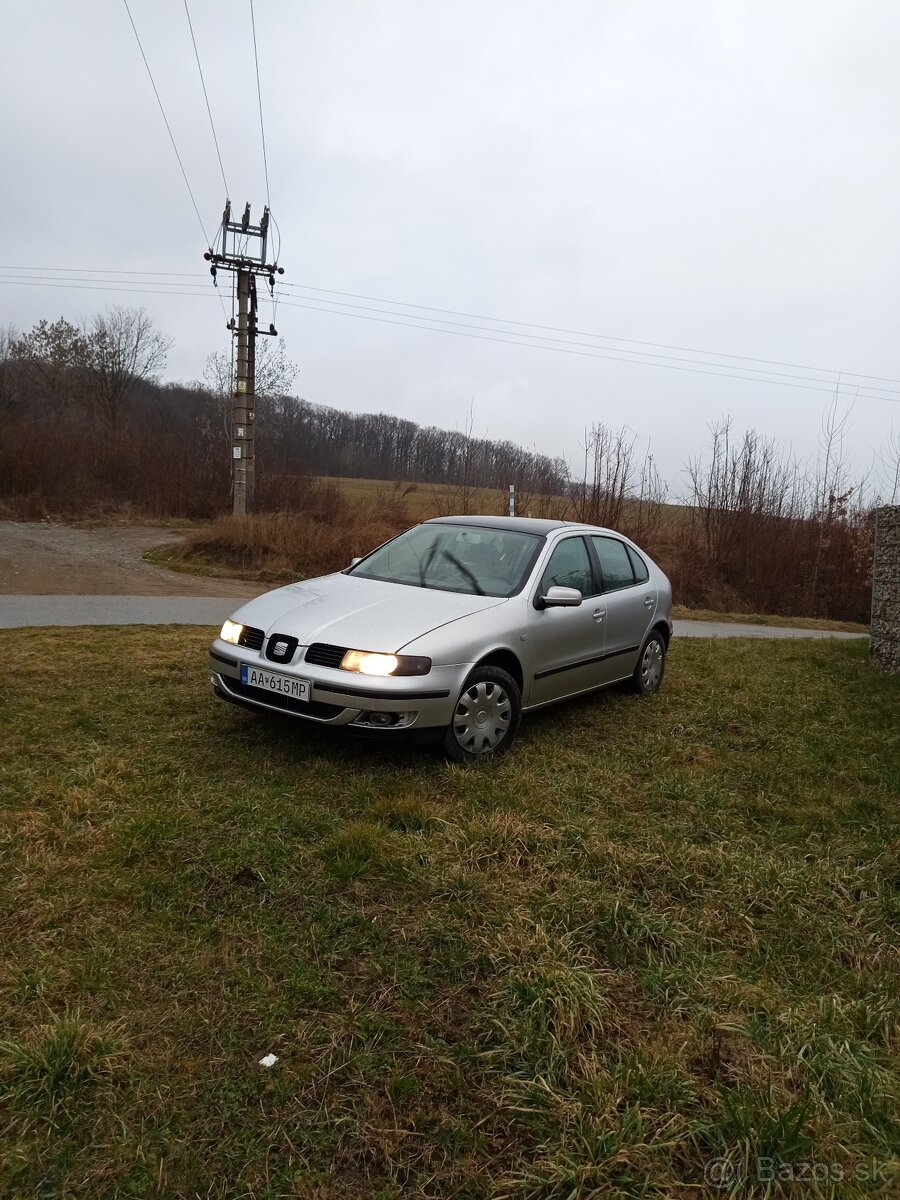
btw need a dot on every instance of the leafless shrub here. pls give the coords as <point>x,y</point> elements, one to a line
<point>620,490</point>
<point>767,534</point>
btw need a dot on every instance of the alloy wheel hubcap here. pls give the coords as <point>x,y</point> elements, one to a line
<point>651,665</point>
<point>482,718</point>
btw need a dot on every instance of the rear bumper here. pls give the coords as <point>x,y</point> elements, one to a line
<point>342,697</point>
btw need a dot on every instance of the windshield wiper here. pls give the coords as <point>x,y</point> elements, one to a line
<point>464,571</point>
<point>423,566</point>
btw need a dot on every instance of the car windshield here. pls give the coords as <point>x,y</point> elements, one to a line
<point>455,558</point>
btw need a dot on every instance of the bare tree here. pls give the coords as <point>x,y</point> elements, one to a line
<point>8,338</point>
<point>832,492</point>
<point>890,460</point>
<point>275,372</point>
<point>124,350</point>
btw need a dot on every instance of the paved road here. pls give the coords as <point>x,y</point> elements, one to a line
<point>731,629</point>
<point>19,611</point>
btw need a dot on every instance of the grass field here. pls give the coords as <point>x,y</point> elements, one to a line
<point>422,500</point>
<point>425,500</point>
<point>658,933</point>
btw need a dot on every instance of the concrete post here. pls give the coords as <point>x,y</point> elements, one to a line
<point>242,412</point>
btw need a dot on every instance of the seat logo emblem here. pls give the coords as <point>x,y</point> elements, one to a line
<point>280,649</point>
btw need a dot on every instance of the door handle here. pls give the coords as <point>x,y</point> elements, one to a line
<point>599,614</point>
<point>648,602</point>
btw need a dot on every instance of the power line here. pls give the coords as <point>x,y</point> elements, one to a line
<point>172,136</point>
<point>151,287</point>
<point>585,353</point>
<point>168,126</point>
<point>262,128</point>
<point>501,321</point>
<point>105,271</point>
<point>276,258</point>
<point>206,98</point>
<point>640,354</point>
<point>582,333</point>
<point>437,325</point>
<point>99,286</point>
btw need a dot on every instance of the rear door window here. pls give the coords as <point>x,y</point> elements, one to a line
<point>641,574</point>
<point>615,565</point>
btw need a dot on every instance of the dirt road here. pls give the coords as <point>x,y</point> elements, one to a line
<point>49,559</point>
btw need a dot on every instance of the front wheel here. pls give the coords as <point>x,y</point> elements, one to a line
<point>648,673</point>
<point>487,716</point>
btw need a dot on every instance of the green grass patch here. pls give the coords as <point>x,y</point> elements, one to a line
<point>658,933</point>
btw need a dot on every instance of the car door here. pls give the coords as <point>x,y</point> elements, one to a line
<point>629,601</point>
<point>566,643</point>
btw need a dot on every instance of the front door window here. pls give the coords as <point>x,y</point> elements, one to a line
<point>569,566</point>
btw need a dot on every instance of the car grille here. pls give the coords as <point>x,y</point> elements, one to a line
<point>324,655</point>
<point>277,640</point>
<point>301,708</point>
<point>252,638</point>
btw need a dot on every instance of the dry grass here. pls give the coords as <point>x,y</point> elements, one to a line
<point>347,518</point>
<point>339,522</point>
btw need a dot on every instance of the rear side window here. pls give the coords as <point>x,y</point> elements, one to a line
<point>614,563</point>
<point>641,574</point>
<point>569,566</point>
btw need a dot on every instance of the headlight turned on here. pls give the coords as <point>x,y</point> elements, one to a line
<point>231,631</point>
<point>369,663</point>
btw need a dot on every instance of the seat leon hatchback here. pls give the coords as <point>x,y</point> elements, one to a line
<point>459,625</point>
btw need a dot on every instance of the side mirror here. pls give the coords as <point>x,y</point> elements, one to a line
<point>354,561</point>
<point>561,597</point>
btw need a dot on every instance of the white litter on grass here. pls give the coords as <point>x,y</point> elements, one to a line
<point>269,1060</point>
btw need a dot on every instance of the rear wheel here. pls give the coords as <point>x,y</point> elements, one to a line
<point>648,673</point>
<point>487,716</point>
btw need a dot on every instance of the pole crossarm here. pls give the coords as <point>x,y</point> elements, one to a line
<point>239,240</point>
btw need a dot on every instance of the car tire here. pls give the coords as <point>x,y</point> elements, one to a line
<point>651,665</point>
<point>486,717</point>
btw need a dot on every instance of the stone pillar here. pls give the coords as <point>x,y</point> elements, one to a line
<point>886,590</point>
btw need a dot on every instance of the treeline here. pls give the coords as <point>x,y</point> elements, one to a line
<point>85,424</point>
<point>84,427</point>
<point>381,446</point>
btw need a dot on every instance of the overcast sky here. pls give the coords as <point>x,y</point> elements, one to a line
<point>720,175</point>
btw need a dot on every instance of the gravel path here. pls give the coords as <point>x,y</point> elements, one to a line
<point>43,558</point>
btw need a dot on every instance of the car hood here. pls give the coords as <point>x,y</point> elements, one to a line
<point>363,614</point>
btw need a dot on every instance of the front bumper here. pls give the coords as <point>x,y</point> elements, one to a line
<point>341,697</point>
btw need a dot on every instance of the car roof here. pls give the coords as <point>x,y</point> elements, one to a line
<point>515,524</point>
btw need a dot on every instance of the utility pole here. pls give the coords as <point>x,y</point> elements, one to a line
<point>243,251</point>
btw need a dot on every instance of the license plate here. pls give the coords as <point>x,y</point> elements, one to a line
<point>269,681</point>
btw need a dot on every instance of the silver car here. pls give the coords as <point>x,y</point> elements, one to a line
<point>458,625</point>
